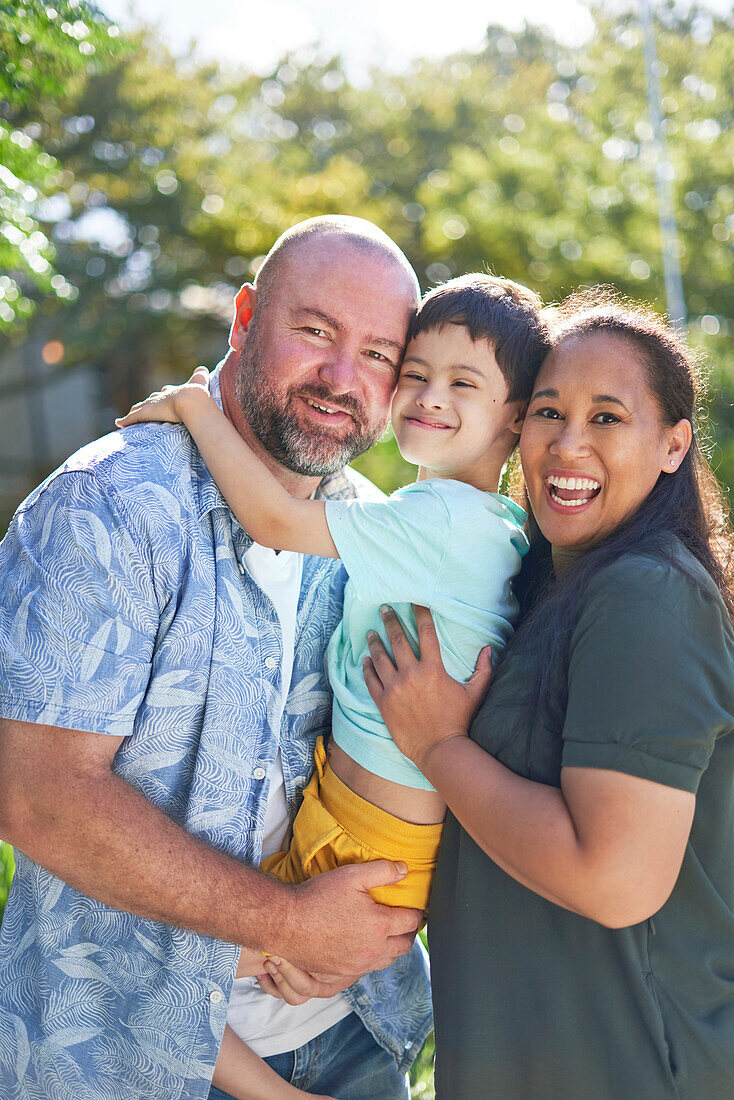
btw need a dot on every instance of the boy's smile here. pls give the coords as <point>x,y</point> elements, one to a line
<point>450,413</point>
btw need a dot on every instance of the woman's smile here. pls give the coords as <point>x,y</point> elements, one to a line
<point>593,443</point>
<point>567,490</point>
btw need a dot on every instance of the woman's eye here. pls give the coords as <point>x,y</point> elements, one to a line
<point>605,418</point>
<point>547,414</point>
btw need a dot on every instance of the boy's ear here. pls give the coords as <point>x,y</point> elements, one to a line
<point>515,425</point>
<point>244,307</point>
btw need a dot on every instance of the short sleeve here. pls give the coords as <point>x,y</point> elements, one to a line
<point>392,549</point>
<point>78,617</point>
<point>650,675</point>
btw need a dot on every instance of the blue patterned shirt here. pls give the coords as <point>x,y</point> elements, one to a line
<point>126,612</point>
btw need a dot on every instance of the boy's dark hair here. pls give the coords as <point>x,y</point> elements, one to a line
<point>506,314</point>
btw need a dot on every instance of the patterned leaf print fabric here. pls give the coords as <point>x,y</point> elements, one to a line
<point>125,613</point>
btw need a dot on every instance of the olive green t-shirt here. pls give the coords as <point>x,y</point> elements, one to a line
<point>533,1002</point>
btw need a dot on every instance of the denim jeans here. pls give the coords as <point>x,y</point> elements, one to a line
<point>344,1061</point>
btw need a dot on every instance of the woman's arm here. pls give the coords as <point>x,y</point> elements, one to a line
<point>606,845</point>
<point>267,511</point>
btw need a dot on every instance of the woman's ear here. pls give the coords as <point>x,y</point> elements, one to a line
<point>679,439</point>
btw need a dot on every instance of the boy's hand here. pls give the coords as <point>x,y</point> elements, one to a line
<point>168,406</point>
<point>294,986</point>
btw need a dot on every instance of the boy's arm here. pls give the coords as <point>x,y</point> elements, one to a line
<point>267,511</point>
<point>245,1076</point>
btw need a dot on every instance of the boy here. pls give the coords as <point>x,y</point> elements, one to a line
<point>449,541</point>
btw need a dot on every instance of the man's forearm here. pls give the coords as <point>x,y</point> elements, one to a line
<point>105,839</point>
<point>62,805</point>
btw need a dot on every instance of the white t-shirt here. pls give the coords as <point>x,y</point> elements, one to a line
<point>268,1025</point>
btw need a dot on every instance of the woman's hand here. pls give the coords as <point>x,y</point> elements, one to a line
<point>420,703</point>
<point>167,406</point>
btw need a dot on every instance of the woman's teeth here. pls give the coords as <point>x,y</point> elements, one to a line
<point>570,503</point>
<point>573,482</point>
<point>561,488</point>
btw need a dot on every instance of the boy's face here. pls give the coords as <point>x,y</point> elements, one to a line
<point>450,413</point>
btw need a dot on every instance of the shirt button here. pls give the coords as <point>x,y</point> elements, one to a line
<point>240,566</point>
<point>271,662</point>
<point>215,996</point>
<point>258,773</point>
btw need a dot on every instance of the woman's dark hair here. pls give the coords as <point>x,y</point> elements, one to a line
<point>687,504</point>
<point>505,313</point>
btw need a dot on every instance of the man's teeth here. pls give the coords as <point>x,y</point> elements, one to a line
<point>322,408</point>
<point>573,483</point>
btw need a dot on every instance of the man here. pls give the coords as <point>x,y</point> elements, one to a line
<point>162,686</point>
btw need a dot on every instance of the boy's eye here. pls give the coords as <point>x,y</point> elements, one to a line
<point>466,385</point>
<point>414,375</point>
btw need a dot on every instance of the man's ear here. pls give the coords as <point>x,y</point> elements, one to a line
<point>244,307</point>
<point>518,416</point>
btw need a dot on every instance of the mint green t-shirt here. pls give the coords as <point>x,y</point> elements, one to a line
<point>440,543</point>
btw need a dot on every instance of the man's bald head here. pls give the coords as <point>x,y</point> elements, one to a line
<point>354,233</point>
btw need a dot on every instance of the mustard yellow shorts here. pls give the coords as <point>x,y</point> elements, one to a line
<point>335,827</point>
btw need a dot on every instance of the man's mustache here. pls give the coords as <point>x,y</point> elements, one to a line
<point>345,402</point>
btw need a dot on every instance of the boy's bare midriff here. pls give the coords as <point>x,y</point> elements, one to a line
<point>408,803</point>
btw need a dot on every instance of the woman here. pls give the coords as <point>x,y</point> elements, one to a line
<point>582,918</point>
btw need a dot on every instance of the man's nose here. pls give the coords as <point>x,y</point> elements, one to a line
<point>340,370</point>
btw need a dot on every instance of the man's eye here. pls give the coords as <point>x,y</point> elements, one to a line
<point>378,356</point>
<point>314,331</point>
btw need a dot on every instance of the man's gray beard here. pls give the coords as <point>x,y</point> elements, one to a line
<point>312,452</point>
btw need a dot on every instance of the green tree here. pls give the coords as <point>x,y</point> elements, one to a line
<point>45,52</point>
<point>531,158</point>
<point>7,866</point>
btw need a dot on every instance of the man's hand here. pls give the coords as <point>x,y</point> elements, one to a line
<point>333,928</point>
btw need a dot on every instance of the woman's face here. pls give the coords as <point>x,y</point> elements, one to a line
<point>593,443</point>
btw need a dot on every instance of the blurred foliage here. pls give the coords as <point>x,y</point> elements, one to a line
<point>45,52</point>
<point>530,157</point>
<point>7,866</point>
<point>421,1073</point>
